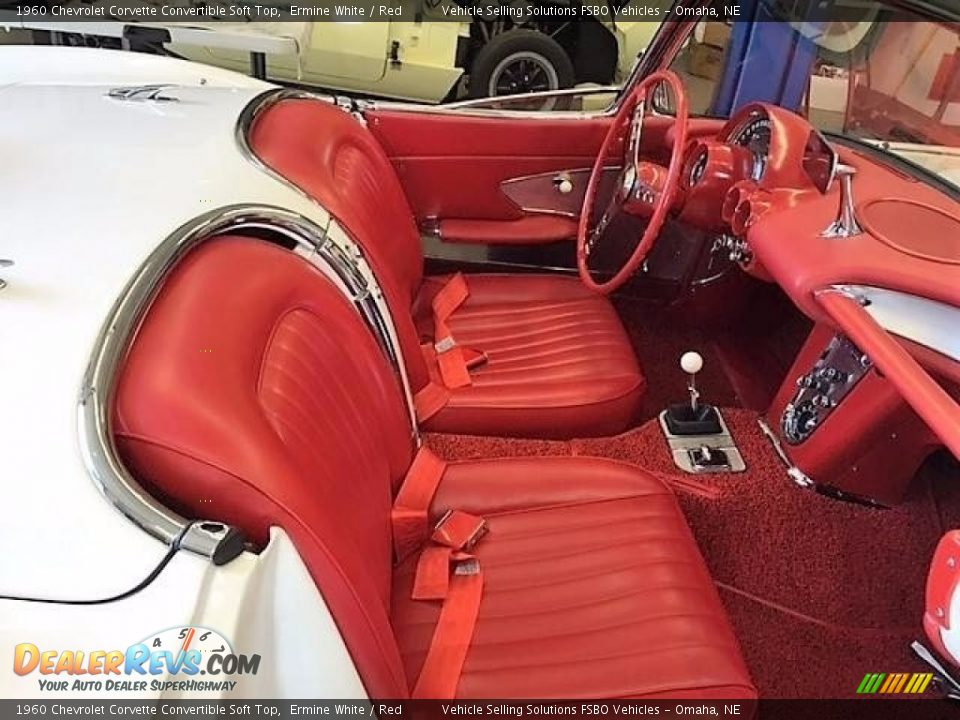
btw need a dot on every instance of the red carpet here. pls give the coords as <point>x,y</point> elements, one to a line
<point>658,345</point>
<point>818,590</point>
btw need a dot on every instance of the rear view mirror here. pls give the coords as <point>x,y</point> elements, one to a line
<point>820,161</point>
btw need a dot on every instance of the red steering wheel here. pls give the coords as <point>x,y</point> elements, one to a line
<point>643,188</point>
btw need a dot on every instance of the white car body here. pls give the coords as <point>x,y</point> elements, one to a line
<point>77,224</point>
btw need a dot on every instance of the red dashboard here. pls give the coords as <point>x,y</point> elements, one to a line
<point>762,171</point>
<point>910,238</point>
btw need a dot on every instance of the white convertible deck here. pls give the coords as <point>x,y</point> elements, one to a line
<point>89,185</point>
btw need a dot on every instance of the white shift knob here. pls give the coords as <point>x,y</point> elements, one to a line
<point>691,362</point>
<point>565,186</point>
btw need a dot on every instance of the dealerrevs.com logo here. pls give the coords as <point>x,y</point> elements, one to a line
<point>188,659</point>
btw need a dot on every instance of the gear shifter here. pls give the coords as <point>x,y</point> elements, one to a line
<point>692,363</point>
<point>692,418</point>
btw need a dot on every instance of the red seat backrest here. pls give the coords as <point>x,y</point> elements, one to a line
<point>334,159</point>
<point>254,394</point>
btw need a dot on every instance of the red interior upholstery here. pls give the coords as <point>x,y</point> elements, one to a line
<point>337,161</point>
<point>269,403</point>
<point>593,587</point>
<point>248,407</point>
<point>555,349</point>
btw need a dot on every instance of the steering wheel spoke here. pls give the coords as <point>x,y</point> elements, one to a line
<point>643,189</point>
<point>613,209</point>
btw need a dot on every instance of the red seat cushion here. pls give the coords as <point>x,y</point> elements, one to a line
<point>548,390</point>
<point>593,588</point>
<point>559,363</point>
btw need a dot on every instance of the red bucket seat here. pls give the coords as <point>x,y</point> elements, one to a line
<point>270,403</point>
<point>558,361</point>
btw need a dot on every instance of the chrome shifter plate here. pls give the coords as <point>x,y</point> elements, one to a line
<point>683,446</point>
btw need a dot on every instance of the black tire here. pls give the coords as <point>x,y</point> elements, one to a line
<point>502,65</point>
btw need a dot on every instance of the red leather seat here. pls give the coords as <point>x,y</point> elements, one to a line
<point>593,587</point>
<point>270,404</point>
<point>574,375</point>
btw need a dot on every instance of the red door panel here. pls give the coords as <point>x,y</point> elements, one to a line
<point>452,166</point>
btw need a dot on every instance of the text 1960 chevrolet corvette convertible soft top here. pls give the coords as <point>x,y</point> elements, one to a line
<point>344,471</point>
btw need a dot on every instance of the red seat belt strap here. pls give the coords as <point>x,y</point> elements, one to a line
<point>452,363</point>
<point>452,538</point>
<point>434,396</point>
<point>410,509</point>
<point>451,360</point>
<point>450,297</point>
<point>431,399</point>
<point>443,666</point>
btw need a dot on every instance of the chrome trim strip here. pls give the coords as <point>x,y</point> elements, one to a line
<point>932,324</point>
<point>97,391</point>
<point>793,472</point>
<point>542,94</point>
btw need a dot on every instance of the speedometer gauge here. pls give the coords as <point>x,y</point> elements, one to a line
<point>754,135</point>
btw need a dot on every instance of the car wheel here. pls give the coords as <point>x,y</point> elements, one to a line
<point>520,61</point>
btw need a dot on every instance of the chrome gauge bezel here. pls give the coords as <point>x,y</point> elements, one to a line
<point>743,131</point>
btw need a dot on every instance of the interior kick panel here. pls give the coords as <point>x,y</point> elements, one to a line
<point>452,165</point>
<point>675,263</point>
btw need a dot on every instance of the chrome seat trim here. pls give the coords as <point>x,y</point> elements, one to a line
<point>98,387</point>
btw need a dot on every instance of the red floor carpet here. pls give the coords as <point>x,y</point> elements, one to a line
<point>820,591</point>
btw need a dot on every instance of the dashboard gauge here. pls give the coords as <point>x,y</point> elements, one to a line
<point>754,135</point>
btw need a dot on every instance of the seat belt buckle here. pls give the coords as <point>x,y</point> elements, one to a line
<point>444,344</point>
<point>459,530</point>
<point>467,566</point>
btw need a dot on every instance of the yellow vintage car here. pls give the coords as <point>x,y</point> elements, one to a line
<point>429,58</point>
